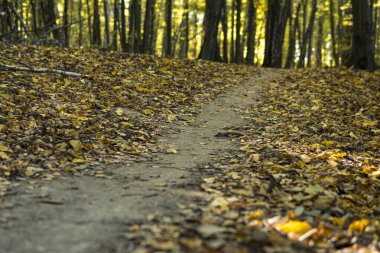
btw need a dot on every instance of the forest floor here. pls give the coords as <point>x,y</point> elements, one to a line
<point>144,154</point>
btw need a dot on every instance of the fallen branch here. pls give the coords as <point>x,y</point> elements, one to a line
<point>38,70</point>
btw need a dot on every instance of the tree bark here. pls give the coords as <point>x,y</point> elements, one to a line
<point>66,27</point>
<point>106,24</point>
<point>210,46</point>
<point>319,41</point>
<point>251,33</point>
<point>89,22</point>
<point>115,24</point>
<point>80,34</point>
<point>225,30</point>
<point>238,44</point>
<point>184,33</point>
<point>362,53</point>
<point>232,42</point>
<point>123,35</point>
<point>96,35</point>
<point>149,25</point>
<point>332,31</point>
<point>292,40</point>
<point>277,16</point>
<point>307,35</point>
<point>167,44</point>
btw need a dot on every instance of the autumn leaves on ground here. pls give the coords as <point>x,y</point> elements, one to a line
<point>305,177</point>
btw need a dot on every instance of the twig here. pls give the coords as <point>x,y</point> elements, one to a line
<point>38,70</point>
<point>14,61</point>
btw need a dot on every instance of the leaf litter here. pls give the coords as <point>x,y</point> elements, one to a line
<point>306,178</point>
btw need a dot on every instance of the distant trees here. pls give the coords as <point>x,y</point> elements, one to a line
<point>272,33</point>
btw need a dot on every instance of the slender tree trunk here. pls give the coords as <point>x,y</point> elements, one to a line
<point>80,35</point>
<point>307,35</point>
<point>106,24</point>
<point>238,44</point>
<point>96,36</point>
<point>167,44</point>
<point>34,17</point>
<point>292,39</point>
<point>210,47</point>
<point>184,33</point>
<point>149,24</point>
<point>362,53</point>
<point>251,32</point>
<point>89,23</point>
<point>320,41</point>
<point>332,31</point>
<point>123,35</point>
<point>225,30</point>
<point>66,24</point>
<point>195,32</point>
<point>232,42</point>
<point>115,24</point>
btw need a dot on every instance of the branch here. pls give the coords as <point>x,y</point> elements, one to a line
<point>38,70</point>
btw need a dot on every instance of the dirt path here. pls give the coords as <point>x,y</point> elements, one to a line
<point>87,214</point>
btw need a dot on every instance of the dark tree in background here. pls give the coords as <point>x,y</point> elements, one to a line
<point>251,33</point>
<point>362,51</point>
<point>149,24</point>
<point>134,35</point>
<point>210,46</point>
<point>123,33</point>
<point>96,35</point>
<point>184,33</point>
<point>167,44</point>
<point>277,16</point>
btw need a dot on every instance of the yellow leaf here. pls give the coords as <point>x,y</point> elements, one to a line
<point>369,123</point>
<point>219,205</point>
<point>254,158</point>
<point>119,111</point>
<point>77,145</point>
<point>305,158</point>
<point>253,216</point>
<point>171,117</point>
<point>4,156</point>
<point>298,227</point>
<point>358,226</point>
<point>171,150</point>
<point>148,112</point>
<point>4,148</point>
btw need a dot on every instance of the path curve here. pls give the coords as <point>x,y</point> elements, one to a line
<point>86,214</point>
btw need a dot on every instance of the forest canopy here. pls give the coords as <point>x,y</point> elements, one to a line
<point>285,33</point>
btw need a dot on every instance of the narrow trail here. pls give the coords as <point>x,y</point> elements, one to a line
<point>87,214</point>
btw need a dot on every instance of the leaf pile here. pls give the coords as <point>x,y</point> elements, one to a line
<point>50,122</point>
<point>308,171</point>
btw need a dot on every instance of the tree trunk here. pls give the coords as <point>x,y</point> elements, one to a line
<point>115,24</point>
<point>89,23</point>
<point>184,37</point>
<point>148,36</point>
<point>320,41</point>
<point>332,31</point>
<point>292,39</point>
<point>106,24</point>
<point>96,35</point>
<point>251,33</point>
<point>224,19</point>
<point>362,53</point>
<point>66,24</point>
<point>123,35</point>
<point>307,35</point>
<point>167,44</point>
<point>232,42</point>
<point>238,44</point>
<point>134,36</point>
<point>49,17</point>
<point>210,46</point>
<point>195,32</point>
<point>277,16</point>
<point>80,35</point>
